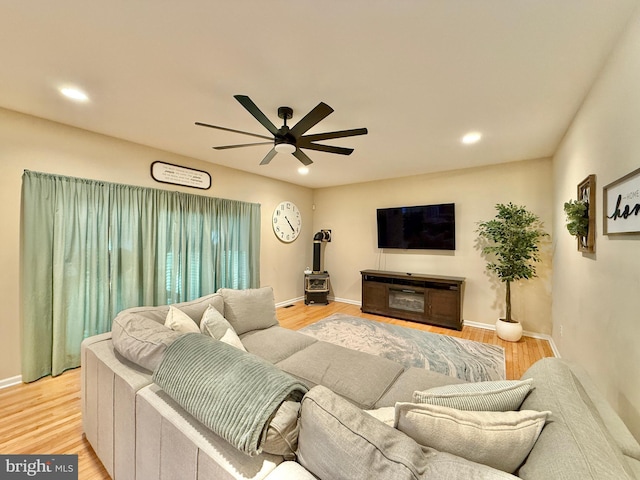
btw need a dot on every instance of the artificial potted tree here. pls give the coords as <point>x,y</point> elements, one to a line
<point>510,242</point>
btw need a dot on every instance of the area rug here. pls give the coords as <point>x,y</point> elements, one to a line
<point>456,357</point>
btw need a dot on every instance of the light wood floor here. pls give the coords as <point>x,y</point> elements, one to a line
<point>44,417</point>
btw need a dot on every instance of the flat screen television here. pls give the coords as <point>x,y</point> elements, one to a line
<point>428,227</point>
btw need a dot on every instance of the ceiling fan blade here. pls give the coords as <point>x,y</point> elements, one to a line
<point>232,130</point>
<point>251,107</point>
<point>300,155</point>
<point>338,134</point>
<point>320,112</point>
<point>326,148</point>
<point>226,147</point>
<point>270,155</point>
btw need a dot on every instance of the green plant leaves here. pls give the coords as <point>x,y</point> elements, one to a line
<point>511,244</point>
<point>576,212</point>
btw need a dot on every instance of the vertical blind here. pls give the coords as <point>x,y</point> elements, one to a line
<point>90,249</point>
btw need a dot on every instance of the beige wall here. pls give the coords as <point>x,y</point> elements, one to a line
<point>34,144</point>
<point>595,297</point>
<point>350,212</point>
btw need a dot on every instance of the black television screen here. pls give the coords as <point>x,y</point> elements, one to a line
<point>429,227</point>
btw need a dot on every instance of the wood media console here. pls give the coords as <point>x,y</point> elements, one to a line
<point>431,299</point>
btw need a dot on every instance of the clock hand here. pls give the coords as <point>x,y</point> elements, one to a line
<point>292,229</point>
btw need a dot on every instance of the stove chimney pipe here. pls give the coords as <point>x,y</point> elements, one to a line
<point>318,238</point>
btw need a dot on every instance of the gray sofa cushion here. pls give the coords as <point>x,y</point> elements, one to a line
<point>358,376</point>
<point>274,344</point>
<point>140,339</point>
<point>411,380</point>
<point>574,442</point>
<point>216,326</point>
<point>194,308</point>
<point>139,333</point>
<point>338,440</point>
<point>251,309</point>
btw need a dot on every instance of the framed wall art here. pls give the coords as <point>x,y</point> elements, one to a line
<point>175,174</point>
<point>621,208</point>
<point>587,193</point>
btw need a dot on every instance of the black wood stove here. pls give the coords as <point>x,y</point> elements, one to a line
<point>316,283</point>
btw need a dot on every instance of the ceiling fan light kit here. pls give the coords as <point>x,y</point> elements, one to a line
<point>284,147</point>
<point>291,140</point>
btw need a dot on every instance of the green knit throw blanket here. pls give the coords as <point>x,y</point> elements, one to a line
<point>232,392</point>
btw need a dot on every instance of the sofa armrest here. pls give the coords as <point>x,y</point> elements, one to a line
<point>109,385</point>
<point>575,442</point>
<point>614,424</point>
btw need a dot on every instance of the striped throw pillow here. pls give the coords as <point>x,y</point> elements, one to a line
<point>494,396</point>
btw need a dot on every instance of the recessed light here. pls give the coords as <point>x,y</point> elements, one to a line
<point>303,170</point>
<point>74,94</point>
<point>471,137</point>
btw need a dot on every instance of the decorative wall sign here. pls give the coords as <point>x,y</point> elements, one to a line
<point>177,175</point>
<point>587,193</point>
<point>622,205</point>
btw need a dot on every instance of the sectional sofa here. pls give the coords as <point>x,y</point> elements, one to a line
<point>358,417</point>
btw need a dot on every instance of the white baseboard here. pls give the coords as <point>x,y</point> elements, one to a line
<point>346,300</point>
<point>299,299</point>
<point>8,382</point>
<point>541,336</point>
<point>288,302</point>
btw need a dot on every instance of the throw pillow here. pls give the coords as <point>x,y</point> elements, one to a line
<point>501,440</point>
<point>216,326</point>
<point>338,440</point>
<point>179,321</point>
<point>282,434</point>
<point>495,396</point>
<point>251,309</point>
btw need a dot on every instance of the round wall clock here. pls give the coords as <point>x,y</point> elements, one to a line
<point>287,222</point>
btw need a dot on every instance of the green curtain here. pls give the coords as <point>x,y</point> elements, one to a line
<point>91,249</point>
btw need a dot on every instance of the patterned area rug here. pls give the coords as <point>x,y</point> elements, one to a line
<point>456,357</point>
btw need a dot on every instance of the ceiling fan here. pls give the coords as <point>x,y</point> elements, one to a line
<point>291,140</point>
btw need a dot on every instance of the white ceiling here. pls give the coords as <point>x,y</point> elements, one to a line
<point>417,73</point>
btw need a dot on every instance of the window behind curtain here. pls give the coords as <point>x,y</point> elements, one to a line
<point>91,249</point>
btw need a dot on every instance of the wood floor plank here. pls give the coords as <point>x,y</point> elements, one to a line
<point>44,417</point>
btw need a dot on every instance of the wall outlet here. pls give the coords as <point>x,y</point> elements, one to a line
<point>327,233</point>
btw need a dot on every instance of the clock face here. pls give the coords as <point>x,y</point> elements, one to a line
<point>287,222</point>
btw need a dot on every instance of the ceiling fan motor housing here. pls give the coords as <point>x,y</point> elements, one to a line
<point>285,113</point>
<point>284,136</point>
